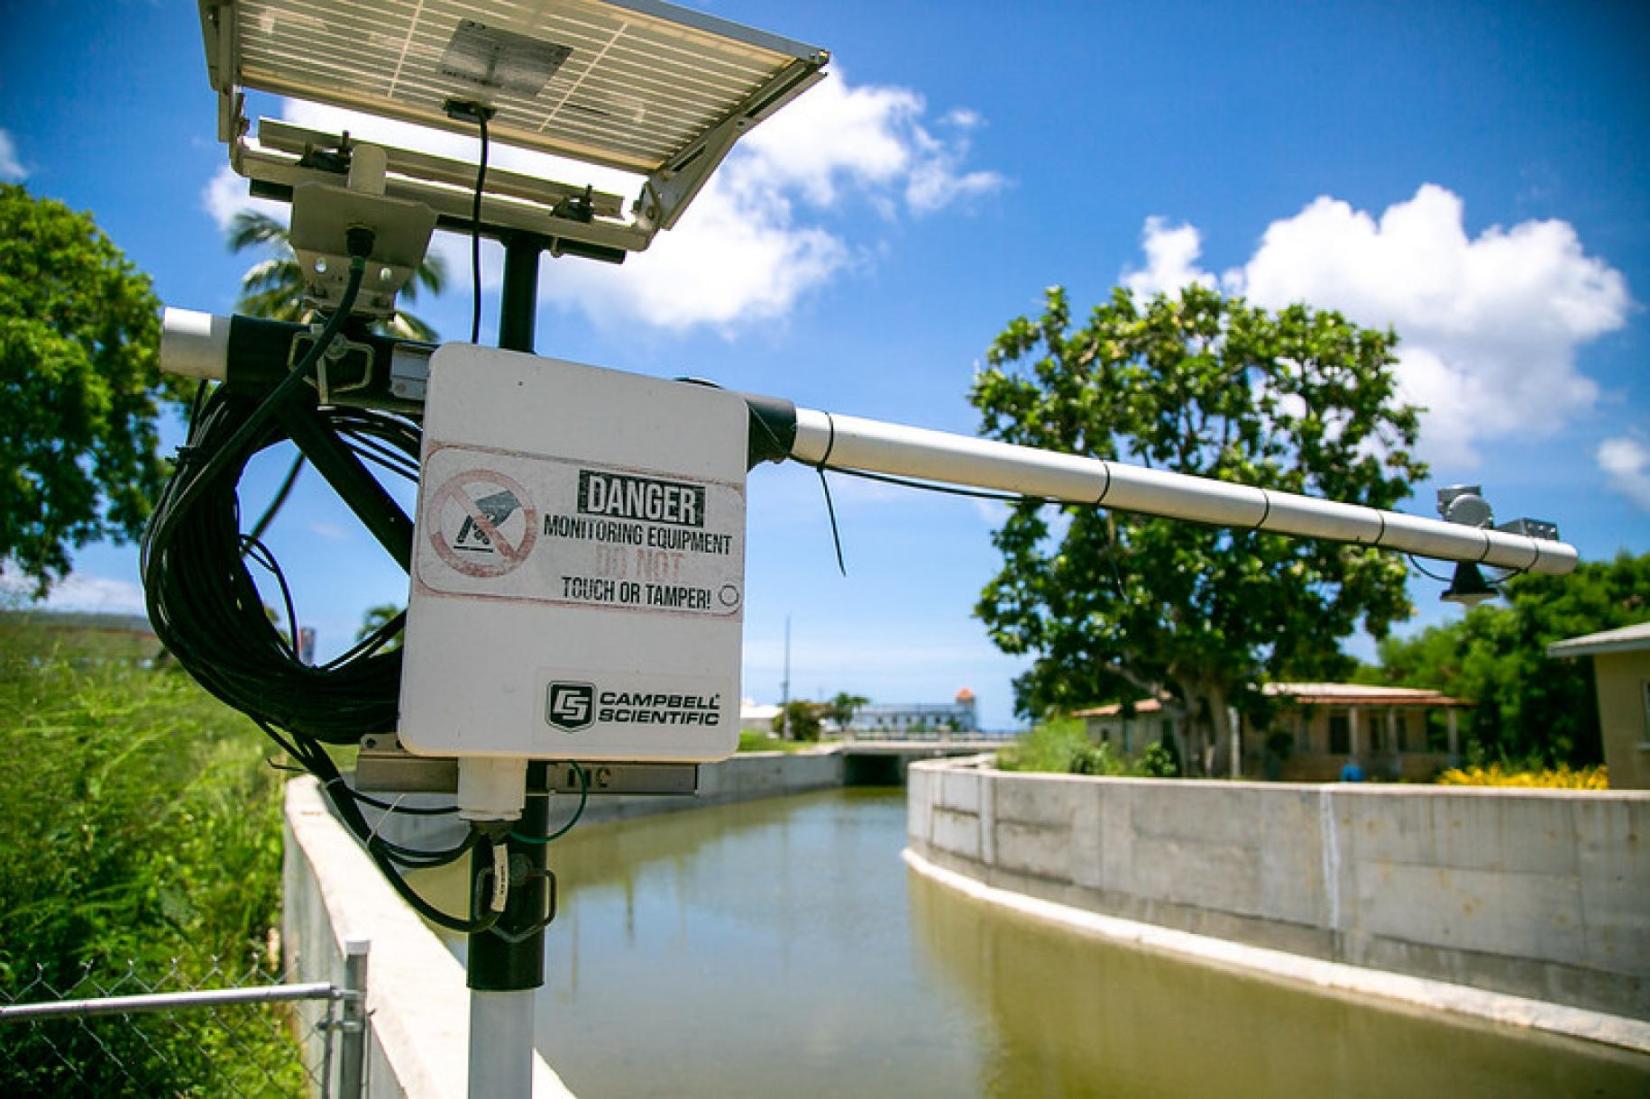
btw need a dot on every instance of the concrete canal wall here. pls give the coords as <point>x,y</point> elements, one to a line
<point>1535,893</point>
<point>744,777</point>
<point>333,894</point>
<point>417,1003</point>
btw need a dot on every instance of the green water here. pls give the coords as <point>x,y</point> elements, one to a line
<point>781,948</point>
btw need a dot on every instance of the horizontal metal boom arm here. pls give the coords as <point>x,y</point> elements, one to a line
<point>848,442</point>
<point>203,346</point>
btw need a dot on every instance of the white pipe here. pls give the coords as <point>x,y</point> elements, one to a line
<point>501,1044</point>
<point>194,344</point>
<point>848,442</point>
<point>197,345</point>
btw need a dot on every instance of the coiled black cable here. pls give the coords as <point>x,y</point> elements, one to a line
<point>207,609</point>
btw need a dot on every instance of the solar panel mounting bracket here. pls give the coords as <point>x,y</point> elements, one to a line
<point>658,91</point>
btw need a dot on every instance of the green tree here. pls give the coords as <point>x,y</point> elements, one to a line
<point>842,707</point>
<point>1116,605</point>
<point>80,388</point>
<point>375,619</point>
<point>799,719</point>
<point>1529,707</point>
<point>274,287</point>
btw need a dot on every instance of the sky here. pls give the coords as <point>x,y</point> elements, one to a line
<point>1474,176</point>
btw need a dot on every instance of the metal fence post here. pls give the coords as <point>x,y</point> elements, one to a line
<point>352,1052</point>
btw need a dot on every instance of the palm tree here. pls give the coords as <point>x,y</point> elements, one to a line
<point>842,708</point>
<point>274,288</point>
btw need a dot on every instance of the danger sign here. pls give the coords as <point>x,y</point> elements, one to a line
<point>534,528</point>
<point>481,523</point>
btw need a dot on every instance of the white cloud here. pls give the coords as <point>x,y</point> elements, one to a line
<point>226,195</point>
<point>753,243</point>
<point>11,168</point>
<point>1171,260</point>
<point>735,258</point>
<point>1489,325</point>
<point>75,592</point>
<point>1626,463</point>
<point>756,239</point>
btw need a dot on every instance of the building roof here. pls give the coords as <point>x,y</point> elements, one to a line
<point>1359,694</point>
<point>1112,709</point>
<point>1624,639</point>
<point>750,710</point>
<point>965,695</point>
<point>1312,694</point>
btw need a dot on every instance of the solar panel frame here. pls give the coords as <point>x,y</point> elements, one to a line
<point>644,84</point>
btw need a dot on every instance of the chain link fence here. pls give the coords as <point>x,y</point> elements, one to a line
<point>149,1031</point>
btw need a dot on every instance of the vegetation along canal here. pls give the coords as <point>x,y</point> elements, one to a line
<point>781,947</point>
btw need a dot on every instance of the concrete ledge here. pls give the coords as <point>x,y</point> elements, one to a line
<point>1294,969</point>
<point>1536,894</point>
<point>746,777</point>
<point>416,996</point>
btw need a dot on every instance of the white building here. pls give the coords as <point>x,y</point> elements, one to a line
<point>958,716</point>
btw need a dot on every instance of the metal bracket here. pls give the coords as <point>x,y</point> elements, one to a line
<point>667,192</point>
<point>322,215</point>
<point>383,766</point>
<point>345,367</point>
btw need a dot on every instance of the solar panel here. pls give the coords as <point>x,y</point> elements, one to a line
<point>636,85</point>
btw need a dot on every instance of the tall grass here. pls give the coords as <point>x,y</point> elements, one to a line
<point>139,826</point>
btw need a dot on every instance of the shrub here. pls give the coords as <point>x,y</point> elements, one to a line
<point>1562,777</point>
<point>138,824</point>
<point>1061,746</point>
<point>1158,761</point>
<point>800,720</point>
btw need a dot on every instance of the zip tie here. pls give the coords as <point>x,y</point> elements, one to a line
<point>830,508</point>
<point>372,835</point>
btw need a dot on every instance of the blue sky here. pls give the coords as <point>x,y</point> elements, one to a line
<point>1475,175</point>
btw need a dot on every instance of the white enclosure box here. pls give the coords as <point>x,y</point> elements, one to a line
<point>578,571</point>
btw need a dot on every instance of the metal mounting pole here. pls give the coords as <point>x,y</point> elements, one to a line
<point>352,1053</point>
<point>506,963</point>
<point>849,442</point>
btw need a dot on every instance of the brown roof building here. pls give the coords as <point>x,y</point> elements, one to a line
<point>1392,732</point>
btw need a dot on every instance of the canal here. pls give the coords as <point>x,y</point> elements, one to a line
<point>781,947</point>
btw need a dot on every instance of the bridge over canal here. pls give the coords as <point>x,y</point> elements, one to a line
<point>877,760</point>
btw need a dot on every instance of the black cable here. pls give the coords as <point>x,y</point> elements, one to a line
<point>428,860</point>
<point>830,510</point>
<point>830,506</point>
<point>259,553</point>
<point>391,807</point>
<point>953,490</point>
<point>246,431</point>
<point>1428,573</point>
<point>584,795</point>
<point>209,612</point>
<point>322,766</point>
<point>475,231</point>
<point>279,500</point>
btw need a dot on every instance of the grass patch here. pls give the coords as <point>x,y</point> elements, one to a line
<point>139,826</point>
<point>754,740</point>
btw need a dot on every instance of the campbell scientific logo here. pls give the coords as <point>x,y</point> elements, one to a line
<point>570,706</point>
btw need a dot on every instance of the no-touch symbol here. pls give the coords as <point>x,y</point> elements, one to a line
<point>481,523</point>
